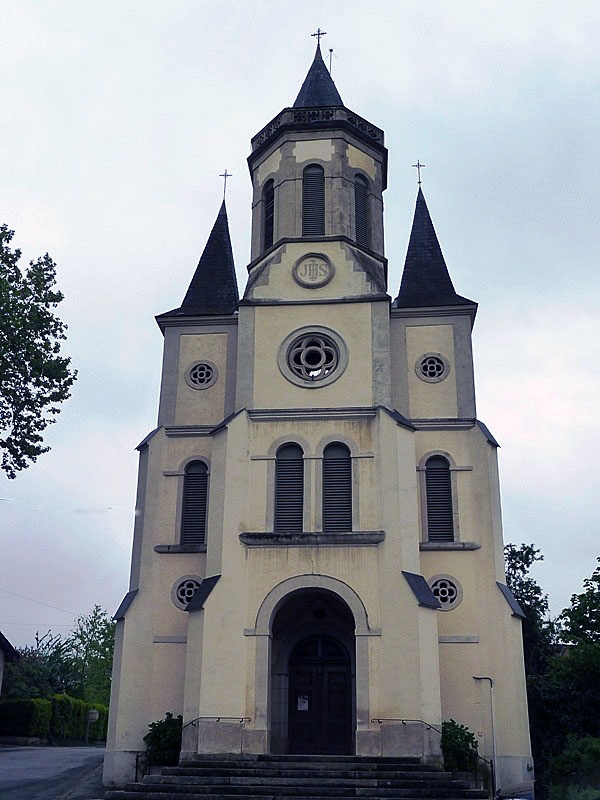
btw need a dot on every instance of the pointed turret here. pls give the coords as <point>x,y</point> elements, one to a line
<point>425,280</point>
<point>213,289</point>
<point>318,89</point>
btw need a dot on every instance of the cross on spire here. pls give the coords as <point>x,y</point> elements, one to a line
<point>419,167</point>
<point>318,34</point>
<point>225,175</point>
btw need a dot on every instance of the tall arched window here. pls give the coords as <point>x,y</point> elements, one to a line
<point>268,197</point>
<point>337,489</point>
<point>438,488</point>
<point>361,210</point>
<point>289,489</point>
<point>195,496</point>
<point>313,201</point>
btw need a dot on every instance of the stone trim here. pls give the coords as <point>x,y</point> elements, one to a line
<point>449,546</point>
<point>310,538</point>
<point>458,639</point>
<point>179,548</point>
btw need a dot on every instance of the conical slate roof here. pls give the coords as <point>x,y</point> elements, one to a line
<point>213,289</point>
<point>318,88</point>
<point>425,280</point>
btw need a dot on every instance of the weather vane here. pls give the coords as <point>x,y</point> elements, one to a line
<point>419,167</point>
<point>225,175</point>
<point>318,34</point>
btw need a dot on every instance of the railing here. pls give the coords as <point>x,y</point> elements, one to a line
<point>406,721</point>
<point>430,727</point>
<point>215,718</point>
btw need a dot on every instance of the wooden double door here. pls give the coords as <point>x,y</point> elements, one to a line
<point>320,698</point>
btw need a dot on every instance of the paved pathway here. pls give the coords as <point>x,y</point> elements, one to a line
<point>51,773</point>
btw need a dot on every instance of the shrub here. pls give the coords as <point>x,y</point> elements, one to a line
<point>459,747</point>
<point>69,717</point>
<point>25,717</point>
<point>163,742</point>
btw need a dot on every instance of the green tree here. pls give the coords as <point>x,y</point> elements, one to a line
<point>539,631</point>
<point>91,646</point>
<point>580,624</point>
<point>34,376</point>
<point>42,670</point>
<point>78,665</point>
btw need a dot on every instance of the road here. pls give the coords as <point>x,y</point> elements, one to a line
<point>51,773</point>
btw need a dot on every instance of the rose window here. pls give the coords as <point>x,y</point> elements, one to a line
<point>184,590</point>
<point>313,357</point>
<point>201,375</point>
<point>447,590</point>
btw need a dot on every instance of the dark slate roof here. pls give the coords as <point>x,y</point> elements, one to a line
<point>425,280</point>
<point>10,653</point>
<point>318,88</point>
<point>213,289</point>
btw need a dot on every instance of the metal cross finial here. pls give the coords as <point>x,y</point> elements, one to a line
<point>419,167</point>
<point>225,175</point>
<point>318,34</point>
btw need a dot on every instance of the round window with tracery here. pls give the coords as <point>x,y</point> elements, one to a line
<point>447,590</point>
<point>184,589</point>
<point>432,367</point>
<point>201,375</point>
<point>312,357</point>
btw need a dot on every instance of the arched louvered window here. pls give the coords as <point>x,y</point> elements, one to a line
<point>438,488</point>
<point>289,489</point>
<point>195,496</point>
<point>313,201</point>
<point>337,489</point>
<point>268,197</point>
<point>361,210</point>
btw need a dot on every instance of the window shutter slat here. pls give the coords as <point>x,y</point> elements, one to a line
<point>195,497</point>
<point>337,489</point>
<point>440,521</point>
<point>269,214</point>
<point>313,201</point>
<point>289,490</point>
<point>361,210</point>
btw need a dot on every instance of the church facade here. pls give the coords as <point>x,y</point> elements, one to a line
<point>318,559</point>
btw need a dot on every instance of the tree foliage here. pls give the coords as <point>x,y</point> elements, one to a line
<point>78,665</point>
<point>580,624</point>
<point>562,663</point>
<point>34,377</point>
<point>538,628</point>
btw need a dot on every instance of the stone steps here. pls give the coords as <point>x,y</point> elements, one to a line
<point>299,778</point>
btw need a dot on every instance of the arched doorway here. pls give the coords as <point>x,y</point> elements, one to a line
<point>320,702</point>
<point>313,706</point>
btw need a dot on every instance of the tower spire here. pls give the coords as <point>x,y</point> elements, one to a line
<point>213,289</point>
<point>426,281</point>
<point>318,89</point>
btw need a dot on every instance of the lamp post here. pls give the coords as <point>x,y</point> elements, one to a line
<point>487,678</point>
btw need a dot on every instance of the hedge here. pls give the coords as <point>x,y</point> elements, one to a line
<point>25,717</point>
<point>60,717</point>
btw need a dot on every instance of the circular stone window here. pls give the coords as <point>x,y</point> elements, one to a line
<point>184,589</point>
<point>312,357</point>
<point>432,367</point>
<point>447,590</point>
<point>201,375</point>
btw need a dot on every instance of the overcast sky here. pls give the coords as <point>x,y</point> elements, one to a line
<point>117,118</point>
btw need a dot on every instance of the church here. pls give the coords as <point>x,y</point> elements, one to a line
<point>317,562</point>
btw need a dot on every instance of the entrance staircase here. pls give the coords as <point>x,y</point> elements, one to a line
<point>261,777</point>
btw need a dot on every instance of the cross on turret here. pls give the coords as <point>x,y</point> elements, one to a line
<point>318,34</point>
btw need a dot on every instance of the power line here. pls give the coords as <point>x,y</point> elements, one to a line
<point>39,602</point>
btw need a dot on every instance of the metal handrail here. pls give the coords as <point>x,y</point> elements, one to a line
<point>216,718</point>
<point>428,725</point>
